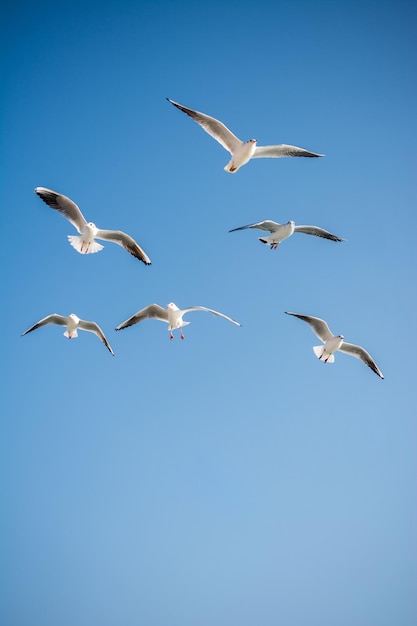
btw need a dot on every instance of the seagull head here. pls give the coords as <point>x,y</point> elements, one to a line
<point>340,336</point>
<point>251,141</point>
<point>74,317</point>
<point>172,306</point>
<point>291,222</point>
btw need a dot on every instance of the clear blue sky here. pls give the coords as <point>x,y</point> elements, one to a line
<point>231,478</point>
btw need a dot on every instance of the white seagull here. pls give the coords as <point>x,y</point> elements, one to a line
<point>279,232</point>
<point>335,342</point>
<point>241,151</point>
<point>172,315</point>
<point>73,323</point>
<point>85,244</point>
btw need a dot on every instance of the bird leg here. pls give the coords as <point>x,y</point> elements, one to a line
<point>274,246</point>
<point>182,336</point>
<point>171,336</point>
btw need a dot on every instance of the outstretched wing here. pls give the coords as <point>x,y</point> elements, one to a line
<point>95,328</point>
<point>213,127</point>
<point>282,150</point>
<point>203,308</point>
<point>126,242</point>
<point>317,232</point>
<point>318,326</point>
<point>54,318</point>
<point>152,311</point>
<point>267,225</point>
<point>362,354</point>
<point>64,205</point>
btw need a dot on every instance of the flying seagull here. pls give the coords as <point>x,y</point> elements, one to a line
<point>335,342</point>
<point>86,244</point>
<point>172,315</point>
<point>279,232</point>
<point>73,323</point>
<point>241,151</point>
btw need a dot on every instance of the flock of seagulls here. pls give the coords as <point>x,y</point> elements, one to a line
<point>241,153</point>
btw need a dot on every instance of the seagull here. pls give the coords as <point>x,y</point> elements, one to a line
<point>172,315</point>
<point>279,232</point>
<point>335,342</point>
<point>241,151</point>
<point>73,323</point>
<point>85,244</point>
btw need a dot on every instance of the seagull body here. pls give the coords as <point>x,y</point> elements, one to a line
<point>72,323</point>
<point>85,243</point>
<point>332,343</point>
<point>279,232</point>
<point>241,151</point>
<point>172,315</point>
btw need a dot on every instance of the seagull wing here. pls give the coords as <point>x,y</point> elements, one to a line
<point>318,232</point>
<point>203,308</point>
<point>265,225</point>
<point>213,127</point>
<point>318,326</point>
<point>64,205</point>
<point>126,242</point>
<point>60,320</point>
<point>362,354</point>
<point>152,311</point>
<point>95,328</point>
<point>282,150</point>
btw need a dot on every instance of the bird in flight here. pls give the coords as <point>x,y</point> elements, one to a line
<point>85,243</point>
<point>279,232</point>
<point>172,315</point>
<point>332,343</point>
<point>241,151</point>
<point>72,323</point>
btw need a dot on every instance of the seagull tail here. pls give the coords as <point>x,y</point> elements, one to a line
<point>231,167</point>
<point>83,247</point>
<point>73,335</point>
<point>321,354</point>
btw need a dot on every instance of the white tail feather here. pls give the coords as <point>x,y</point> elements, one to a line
<point>230,167</point>
<point>84,247</point>
<point>318,351</point>
<point>175,327</point>
<point>321,354</point>
<point>73,335</point>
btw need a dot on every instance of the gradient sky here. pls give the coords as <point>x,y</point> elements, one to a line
<point>230,478</point>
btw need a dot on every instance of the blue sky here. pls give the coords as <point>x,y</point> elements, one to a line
<point>230,478</point>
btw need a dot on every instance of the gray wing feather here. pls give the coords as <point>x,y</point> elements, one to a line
<point>282,150</point>
<point>152,311</point>
<point>203,308</point>
<point>95,328</point>
<point>127,242</point>
<point>362,354</point>
<point>265,225</point>
<point>318,326</point>
<point>317,232</point>
<point>64,205</point>
<point>213,127</point>
<point>54,318</point>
